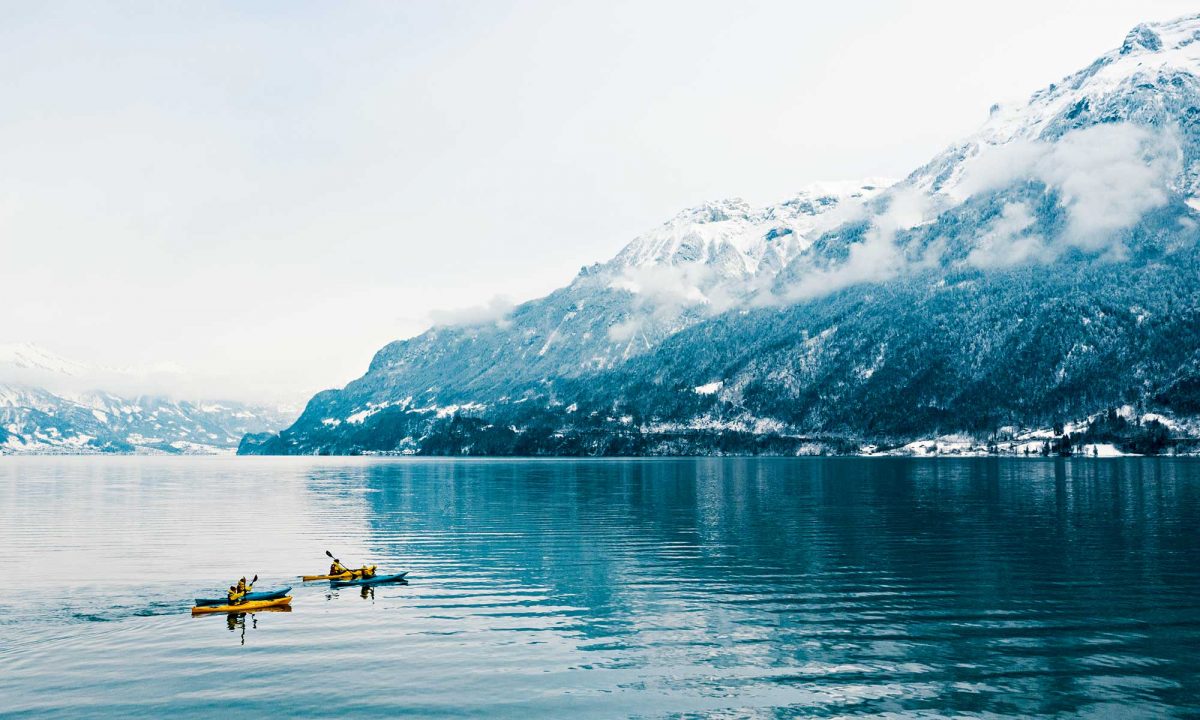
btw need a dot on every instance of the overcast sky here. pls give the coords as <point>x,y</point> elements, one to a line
<point>266,193</point>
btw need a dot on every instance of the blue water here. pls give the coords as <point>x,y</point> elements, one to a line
<point>600,589</point>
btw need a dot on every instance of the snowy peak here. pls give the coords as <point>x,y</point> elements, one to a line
<point>714,212</point>
<point>736,239</point>
<point>27,357</point>
<point>1130,111</point>
<point>1141,38</point>
<point>1152,57</point>
<point>30,364</point>
<point>1166,38</point>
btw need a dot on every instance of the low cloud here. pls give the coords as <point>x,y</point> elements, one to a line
<point>662,292</point>
<point>167,380</point>
<point>28,365</point>
<point>1107,176</point>
<point>875,258</point>
<point>497,310</point>
<point>624,331</point>
<point>671,286</point>
<point>1007,241</point>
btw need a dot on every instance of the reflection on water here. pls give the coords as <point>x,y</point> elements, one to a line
<point>236,622</point>
<point>735,587</point>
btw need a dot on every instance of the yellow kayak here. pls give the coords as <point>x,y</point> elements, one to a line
<point>348,575</point>
<point>248,606</point>
<point>342,576</point>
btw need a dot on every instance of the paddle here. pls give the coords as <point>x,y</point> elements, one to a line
<point>353,573</point>
<point>249,587</point>
<point>339,562</point>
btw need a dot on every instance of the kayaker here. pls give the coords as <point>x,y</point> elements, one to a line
<point>242,587</point>
<point>367,571</point>
<point>337,568</point>
<point>234,595</point>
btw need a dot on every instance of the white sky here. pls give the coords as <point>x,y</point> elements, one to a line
<point>266,196</point>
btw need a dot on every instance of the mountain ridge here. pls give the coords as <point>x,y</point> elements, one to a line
<point>50,404</point>
<point>36,421</point>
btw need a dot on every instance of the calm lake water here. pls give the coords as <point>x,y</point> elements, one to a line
<point>646,588</point>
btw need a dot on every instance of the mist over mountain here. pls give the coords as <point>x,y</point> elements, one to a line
<point>1041,271</point>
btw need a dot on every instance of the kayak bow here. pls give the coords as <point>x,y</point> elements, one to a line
<point>242,607</point>
<point>250,597</point>
<point>377,580</point>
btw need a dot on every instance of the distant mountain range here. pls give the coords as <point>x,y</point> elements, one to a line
<point>72,418</point>
<point>1042,270</point>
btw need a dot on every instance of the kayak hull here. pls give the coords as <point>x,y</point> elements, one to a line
<point>250,606</point>
<point>377,580</point>
<point>250,597</point>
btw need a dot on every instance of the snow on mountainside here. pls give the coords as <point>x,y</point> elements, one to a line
<point>1044,268</point>
<point>29,357</point>
<point>45,408</point>
<point>739,241</point>
<point>718,256</point>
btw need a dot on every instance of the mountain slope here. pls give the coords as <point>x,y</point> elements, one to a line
<point>1042,269</point>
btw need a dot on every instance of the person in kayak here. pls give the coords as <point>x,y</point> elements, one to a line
<point>337,568</point>
<point>234,595</point>
<point>242,587</point>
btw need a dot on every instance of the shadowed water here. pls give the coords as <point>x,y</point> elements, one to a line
<point>647,588</point>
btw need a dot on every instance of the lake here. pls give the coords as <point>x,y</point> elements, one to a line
<point>608,588</point>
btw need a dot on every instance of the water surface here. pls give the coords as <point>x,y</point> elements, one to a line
<point>614,588</point>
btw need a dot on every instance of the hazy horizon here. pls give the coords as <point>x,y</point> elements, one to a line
<point>260,198</point>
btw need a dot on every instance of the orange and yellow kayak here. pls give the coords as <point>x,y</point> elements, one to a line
<point>342,576</point>
<point>348,575</point>
<point>249,606</point>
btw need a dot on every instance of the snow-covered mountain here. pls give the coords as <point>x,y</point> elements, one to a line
<point>1041,269</point>
<point>30,358</point>
<point>43,410</point>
